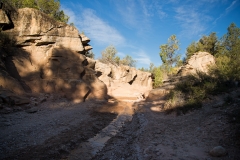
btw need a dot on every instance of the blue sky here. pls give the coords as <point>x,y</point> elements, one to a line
<point>138,27</point>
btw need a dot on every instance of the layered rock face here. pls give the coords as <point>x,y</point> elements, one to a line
<point>49,59</point>
<point>122,81</point>
<point>34,28</point>
<point>200,61</point>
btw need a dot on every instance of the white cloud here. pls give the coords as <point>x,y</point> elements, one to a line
<point>227,10</point>
<point>94,27</point>
<point>128,12</point>
<point>145,8</point>
<point>139,14</point>
<point>142,58</point>
<point>121,54</point>
<point>192,22</point>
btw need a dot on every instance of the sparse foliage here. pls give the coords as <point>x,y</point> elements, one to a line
<point>128,60</point>
<point>109,56</point>
<point>228,56</point>
<point>158,76</point>
<point>157,73</point>
<point>50,7</point>
<point>168,53</point>
<point>205,44</point>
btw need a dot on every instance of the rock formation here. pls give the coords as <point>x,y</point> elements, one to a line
<point>122,81</point>
<point>48,59</point>
<point>200,61</point>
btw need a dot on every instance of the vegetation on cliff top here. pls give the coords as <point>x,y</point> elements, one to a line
<point>50,7</point>
<point>109,56</point>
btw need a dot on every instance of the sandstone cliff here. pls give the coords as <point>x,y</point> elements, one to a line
<point>49,58</point>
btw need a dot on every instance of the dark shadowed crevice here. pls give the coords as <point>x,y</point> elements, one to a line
<point>132,80</point>
<point>98,74</point>
<point>82,74</point>
<point>85,97</point>
<point>85,62</point>
<point>41,73</point>
<point>110,75</point>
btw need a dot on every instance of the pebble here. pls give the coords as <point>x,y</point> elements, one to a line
<point>218,151</point>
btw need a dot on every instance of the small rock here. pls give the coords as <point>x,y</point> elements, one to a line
<point>218,151</point>
<point>32,110</point>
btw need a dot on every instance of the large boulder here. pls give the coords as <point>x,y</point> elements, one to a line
<point>200,61</point>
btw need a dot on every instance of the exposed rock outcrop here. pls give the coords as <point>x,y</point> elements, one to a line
<point>34,28</point>
<point>200,61</point>
<point>49,59</point>
<point>122,81</point>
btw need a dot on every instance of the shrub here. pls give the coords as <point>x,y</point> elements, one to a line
<point>189,94</point>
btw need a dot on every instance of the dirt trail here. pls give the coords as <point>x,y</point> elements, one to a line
<point>123,130</point>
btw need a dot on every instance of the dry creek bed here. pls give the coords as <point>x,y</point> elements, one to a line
<point>57,129</point>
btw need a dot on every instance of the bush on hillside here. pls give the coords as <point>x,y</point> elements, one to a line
<point>189,94</point>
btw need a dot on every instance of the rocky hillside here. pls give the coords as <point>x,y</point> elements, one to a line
<point>49,58</point>
<point>199,62</point>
